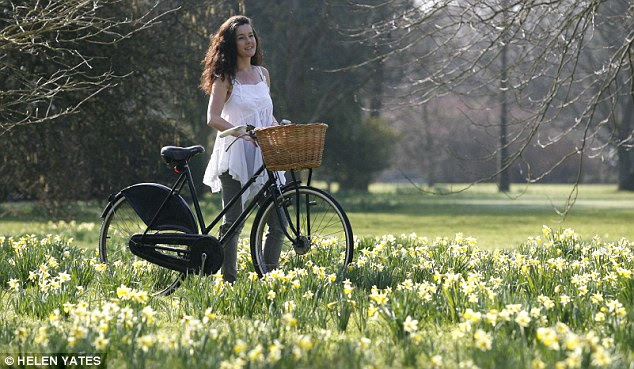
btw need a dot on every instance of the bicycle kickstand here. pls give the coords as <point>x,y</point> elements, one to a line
<point>202,264</point>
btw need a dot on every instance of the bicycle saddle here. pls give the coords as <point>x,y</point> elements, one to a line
<point>175,153</point>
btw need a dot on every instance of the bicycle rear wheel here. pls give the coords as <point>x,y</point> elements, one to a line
<point>324,242</point>
<point>120,223</point>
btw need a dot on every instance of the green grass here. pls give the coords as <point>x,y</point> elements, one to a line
<point>496,220</point>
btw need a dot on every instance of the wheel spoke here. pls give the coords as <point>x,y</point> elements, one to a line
<point>330,234</point>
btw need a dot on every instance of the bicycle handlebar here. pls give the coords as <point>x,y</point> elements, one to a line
<point>231,131</point>
<point>234,129</point>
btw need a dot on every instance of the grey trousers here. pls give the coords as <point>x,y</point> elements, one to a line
<point>274,237</point>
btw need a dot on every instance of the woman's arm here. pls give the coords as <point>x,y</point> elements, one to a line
<point>268,82</point>
<point>218,97</point>
<point>266,76</point>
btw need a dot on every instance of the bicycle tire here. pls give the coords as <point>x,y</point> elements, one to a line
<point>119,224</point>
<point>330,240</point>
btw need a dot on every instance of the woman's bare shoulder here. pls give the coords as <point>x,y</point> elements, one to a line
<point>265,72</point>
<point>222,82</point>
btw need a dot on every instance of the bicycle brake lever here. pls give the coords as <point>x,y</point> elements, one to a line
<point>232,142</point>
<point>249,128</point>
<point>250,131</point>
<point>237,138</point>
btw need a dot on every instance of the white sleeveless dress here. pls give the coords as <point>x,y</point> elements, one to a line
<point>248,104</point>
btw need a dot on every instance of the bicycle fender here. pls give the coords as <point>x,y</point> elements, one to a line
<point>146,199</point>
<point>111,200</point>
<point>291,185</point>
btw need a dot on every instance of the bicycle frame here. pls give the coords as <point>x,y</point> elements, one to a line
<point>250,206</point>
<point>270,184</point>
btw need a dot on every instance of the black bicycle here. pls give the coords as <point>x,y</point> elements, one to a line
<point>151,238</point>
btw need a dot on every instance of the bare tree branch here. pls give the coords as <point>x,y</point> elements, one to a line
<point>570,70</point>
<point>49,50</point>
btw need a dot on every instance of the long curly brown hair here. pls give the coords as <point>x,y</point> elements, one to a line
<point>221,60</point>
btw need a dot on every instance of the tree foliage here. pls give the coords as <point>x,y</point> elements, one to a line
<point>304,46</point>
<point>103,87</point>
<point>121,80</point>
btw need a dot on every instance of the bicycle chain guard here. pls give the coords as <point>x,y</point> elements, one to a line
<point>204,255</point>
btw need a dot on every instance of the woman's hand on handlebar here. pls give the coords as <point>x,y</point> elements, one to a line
<point>244,132</point>
<point>233,131</point>
<point>247,137</point>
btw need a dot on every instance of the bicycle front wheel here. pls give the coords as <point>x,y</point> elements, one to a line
<point>120,223</point>
<point>320,230</point>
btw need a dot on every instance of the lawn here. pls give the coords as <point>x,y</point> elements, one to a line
<point>496,220</point>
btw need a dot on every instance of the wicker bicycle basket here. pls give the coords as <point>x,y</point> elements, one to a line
<point>292,146</point>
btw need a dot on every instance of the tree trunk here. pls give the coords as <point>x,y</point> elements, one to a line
<point>504,183</point>
<point>625,153</point>
<point>429,150</point>
<point>626,169</point>
<point>376,93</point>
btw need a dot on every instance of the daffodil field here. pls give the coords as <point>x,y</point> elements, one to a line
<point>556,301</point>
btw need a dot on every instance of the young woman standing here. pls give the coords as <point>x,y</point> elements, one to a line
<point>238,87</point>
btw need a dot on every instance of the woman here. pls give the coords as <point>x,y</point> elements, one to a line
<point>239,94</point>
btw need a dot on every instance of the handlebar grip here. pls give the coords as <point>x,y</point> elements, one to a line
<point>230,131</point>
